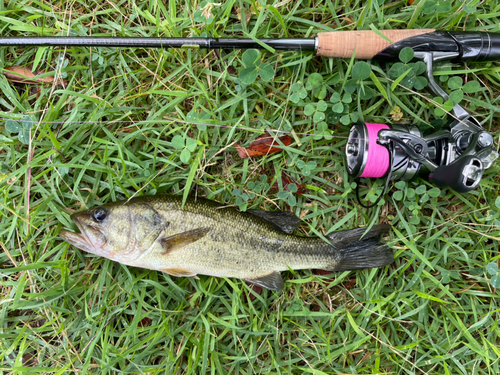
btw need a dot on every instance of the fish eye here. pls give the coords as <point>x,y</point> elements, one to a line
<point>99,214</point>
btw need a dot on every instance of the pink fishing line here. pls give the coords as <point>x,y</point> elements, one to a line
<point>377,162</point>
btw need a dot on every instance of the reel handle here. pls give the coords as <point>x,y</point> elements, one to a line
<point>463,175</point>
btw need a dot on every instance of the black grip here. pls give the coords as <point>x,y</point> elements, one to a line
<point>463,45</point>
<point>463,175</point>
<point>438,41</point>
<point>477,46</point>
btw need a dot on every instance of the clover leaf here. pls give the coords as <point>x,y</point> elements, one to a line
<point>13,126</point>
<point>62,63</point>
<point>298,92</point>
<point>307,168</point>
<point>360,71</point>
<point>288,195</point>
<point>321,130</point>
<point>411,71</point>
<point>248,75</point>
<point>436,6</point>
<point>349,118</point>
<point>317,110</point>
<point>241,200</point>
<point>492,269</point>
<point>266,72</point>
<point>254,67</point>
<point>315,85</point>
<point>471,87</point>
<point>456,84</point>
<point>251,58</point>
<point>186,145</point>
<point>442,106</point>
<point>21,128</point>
<point>195,116</point>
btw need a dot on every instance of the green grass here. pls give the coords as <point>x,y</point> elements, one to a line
<point>107,136</point>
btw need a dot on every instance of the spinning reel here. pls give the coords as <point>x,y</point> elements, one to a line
<point>454,157</point>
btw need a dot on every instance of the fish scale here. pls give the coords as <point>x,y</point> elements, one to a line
<point>206,238</point>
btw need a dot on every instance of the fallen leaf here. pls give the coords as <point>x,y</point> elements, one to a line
<point>257,289</point>
<point>349,284</point>
<point>263,145</point>
<point>286,180</point>
<point>322,272</point>
<point>145,322</point>
<point>29,360</point>
<point>24,74</point>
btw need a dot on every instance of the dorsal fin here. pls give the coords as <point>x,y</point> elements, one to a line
<point>285,221</point>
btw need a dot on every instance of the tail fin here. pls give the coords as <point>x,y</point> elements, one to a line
<point>356,251</point>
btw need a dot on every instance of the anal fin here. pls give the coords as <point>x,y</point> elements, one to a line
<point>179,272</point>
<point>272,281</point>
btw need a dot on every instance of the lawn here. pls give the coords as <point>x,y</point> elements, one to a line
<point>129,121</point>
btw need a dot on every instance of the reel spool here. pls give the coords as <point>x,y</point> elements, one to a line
<point>366,157</point>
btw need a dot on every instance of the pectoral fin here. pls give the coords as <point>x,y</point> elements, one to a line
<point>282,220</point>
<point>273,281</point>
<point>179,240</point>
<point>178,272</point>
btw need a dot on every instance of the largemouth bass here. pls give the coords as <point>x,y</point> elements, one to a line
<point>206,238</point>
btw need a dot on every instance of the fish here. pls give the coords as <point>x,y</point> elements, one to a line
<point>203,237</point>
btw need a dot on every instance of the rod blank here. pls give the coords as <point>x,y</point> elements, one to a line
<point>219,43</point>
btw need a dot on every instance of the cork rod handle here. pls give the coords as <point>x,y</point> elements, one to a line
<point>364,44</point>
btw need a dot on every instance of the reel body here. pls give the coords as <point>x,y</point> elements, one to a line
<point>454,157</point>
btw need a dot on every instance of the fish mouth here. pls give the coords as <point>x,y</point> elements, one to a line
<point>76,239</point>
<point>82,240</point>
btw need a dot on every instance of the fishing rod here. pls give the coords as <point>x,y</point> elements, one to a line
<point>362,44</point>
<point>454,157</point>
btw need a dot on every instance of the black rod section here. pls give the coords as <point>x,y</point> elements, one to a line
<point>219,43</point>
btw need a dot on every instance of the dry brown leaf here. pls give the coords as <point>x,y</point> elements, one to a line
<point>263,145</point>
<point>287,181</point>
<point>24,74</point>
<point>257,289</point>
